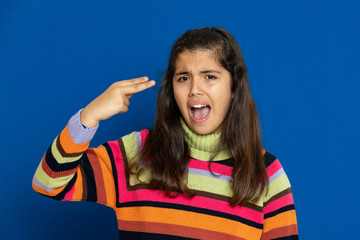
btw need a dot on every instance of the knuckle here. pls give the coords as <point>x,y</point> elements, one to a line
<point>114,85</point>
<point>117,91</point>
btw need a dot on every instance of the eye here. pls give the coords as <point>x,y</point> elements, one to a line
<point>210,77</point>
<point>182,79</point>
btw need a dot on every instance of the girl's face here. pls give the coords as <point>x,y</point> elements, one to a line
<point>202,89</point>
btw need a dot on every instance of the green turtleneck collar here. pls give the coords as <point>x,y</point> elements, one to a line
<point>203,147</point>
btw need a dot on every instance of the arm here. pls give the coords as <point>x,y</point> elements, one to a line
<point>70,170</point>
<point>279,210</point>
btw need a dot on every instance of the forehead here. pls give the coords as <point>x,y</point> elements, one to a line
<point>196,59</point>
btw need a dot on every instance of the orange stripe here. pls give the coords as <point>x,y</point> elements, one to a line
<point>263,151</point>
<point>280,220</point>
<point>176,230</point>
<point>68,144</point>
<point>109,182</point>
<point>77,196</point>
<point>99,180</point>
<point>189,219</point>
<point>280,232</point>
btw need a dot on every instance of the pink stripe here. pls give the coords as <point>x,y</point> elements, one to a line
<point>279,203</point>
<point>273,168</point>
<point>197,201</point>
<point>144,134</point>
<point>119,165</point>
<point>69,195</point>
<point>215,167</point>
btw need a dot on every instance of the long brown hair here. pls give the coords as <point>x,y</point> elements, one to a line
<point>166,146</point>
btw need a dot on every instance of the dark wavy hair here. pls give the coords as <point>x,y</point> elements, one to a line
<point>166,146</point>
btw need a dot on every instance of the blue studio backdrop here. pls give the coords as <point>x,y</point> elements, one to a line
<point>303,64</point>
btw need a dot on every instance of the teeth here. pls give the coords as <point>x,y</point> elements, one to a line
<point>199,106</point>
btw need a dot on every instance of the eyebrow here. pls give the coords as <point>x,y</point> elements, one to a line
<point>202,72</point>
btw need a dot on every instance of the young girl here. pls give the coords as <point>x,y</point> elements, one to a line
<point>200,173</point>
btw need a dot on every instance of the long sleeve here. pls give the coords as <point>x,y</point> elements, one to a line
<point>71,171</point>
<point>279,210</point>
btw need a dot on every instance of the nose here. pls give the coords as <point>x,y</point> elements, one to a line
<point>196,88</point>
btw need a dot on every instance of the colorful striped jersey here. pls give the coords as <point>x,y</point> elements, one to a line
<point>70,171</point>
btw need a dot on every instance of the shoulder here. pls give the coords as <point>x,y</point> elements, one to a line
<point>274,169</point>
<point>138,137</point>
<point>278,180</point>
<point>268,158</point>
<point>272,163</point>
<point>131,144</point>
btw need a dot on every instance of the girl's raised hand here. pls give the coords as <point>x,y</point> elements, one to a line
<point>113,101</point>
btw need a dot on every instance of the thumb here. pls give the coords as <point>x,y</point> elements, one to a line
<point>129,95</point>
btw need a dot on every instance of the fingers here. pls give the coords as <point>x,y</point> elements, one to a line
<point>135,88</point>
<point>124,83</point>
<point>126,102</point>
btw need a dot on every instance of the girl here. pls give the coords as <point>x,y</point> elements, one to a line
<point>200,173</point>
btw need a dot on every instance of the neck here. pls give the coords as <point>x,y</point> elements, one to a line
<point>205,147</point>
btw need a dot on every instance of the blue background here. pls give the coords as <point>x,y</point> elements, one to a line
<point>303,64</point>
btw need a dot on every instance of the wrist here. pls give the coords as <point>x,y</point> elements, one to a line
<point>87,120</point>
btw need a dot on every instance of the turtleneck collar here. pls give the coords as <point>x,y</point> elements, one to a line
<point>203,147</point>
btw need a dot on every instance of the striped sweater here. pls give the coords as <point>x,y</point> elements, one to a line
<point>71,171</point>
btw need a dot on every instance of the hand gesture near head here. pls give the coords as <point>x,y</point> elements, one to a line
<point>115,100</point>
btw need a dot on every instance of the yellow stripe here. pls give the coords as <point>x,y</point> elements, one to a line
<point>209,184</point>
<point>206,156</point>
<point>278,185</point>
<point>130,146</point>
<point>43,178</point>
<point>59,158</point>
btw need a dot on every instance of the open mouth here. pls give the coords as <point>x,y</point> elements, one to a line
<point>200,112</point>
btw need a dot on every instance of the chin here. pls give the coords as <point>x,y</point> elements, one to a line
<point>202,130</point>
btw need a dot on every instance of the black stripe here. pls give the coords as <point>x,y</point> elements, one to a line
<point>227,162</point>
<point>68,187</point>
<point>280,210</point>
<point>148,236</point>
<point>90,180</point>
<point>83,182</point>
<point>269,158</point>
<point>57,167</point>
<point>192,209</point>
<point>114,172</point>
<point>292,237</point>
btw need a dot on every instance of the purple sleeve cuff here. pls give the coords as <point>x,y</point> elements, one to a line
<point>78,133</point>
